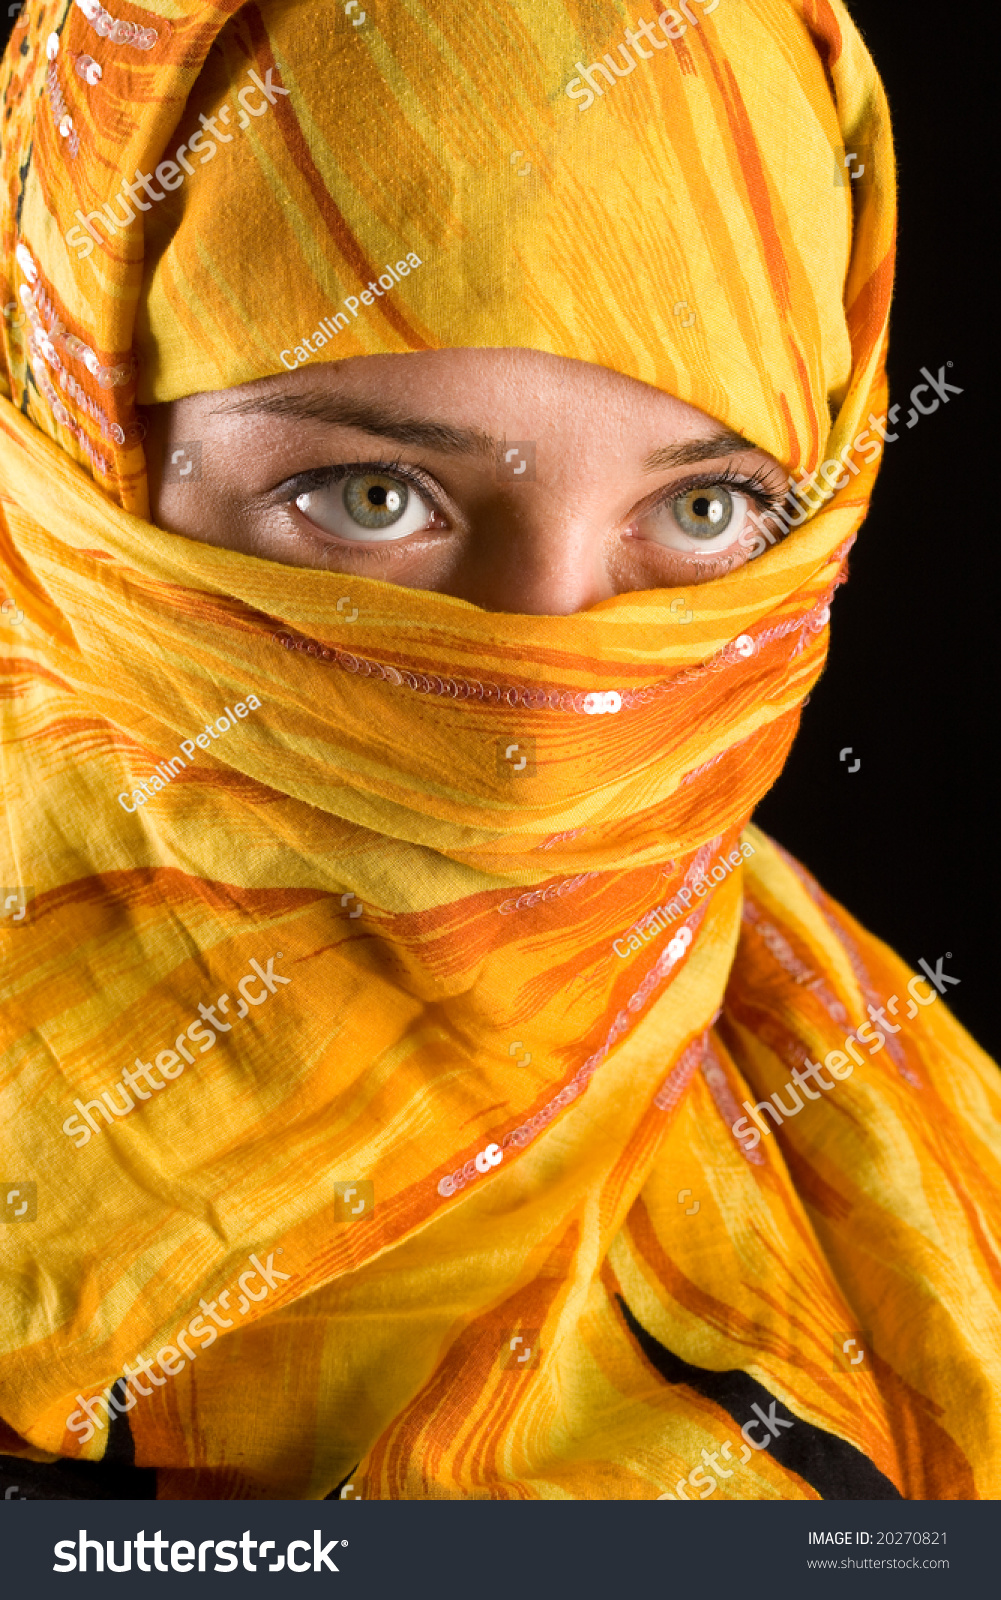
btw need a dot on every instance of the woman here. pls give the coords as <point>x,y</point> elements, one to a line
<point>432,1084</point>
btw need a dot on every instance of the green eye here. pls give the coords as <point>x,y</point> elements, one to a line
<point>704,513</point>
<point>367,507</point>
<point>374,500</point>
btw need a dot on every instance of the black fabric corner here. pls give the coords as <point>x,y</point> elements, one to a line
<point>831,1466</point>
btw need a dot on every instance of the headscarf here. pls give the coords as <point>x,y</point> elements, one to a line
<point>452,1195</point>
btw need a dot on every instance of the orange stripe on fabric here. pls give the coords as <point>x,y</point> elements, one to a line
<point>298,149</point>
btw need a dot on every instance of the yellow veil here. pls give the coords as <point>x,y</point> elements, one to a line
<point>398,1117</point>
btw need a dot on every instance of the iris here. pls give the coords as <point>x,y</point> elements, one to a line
<point>704,513</point>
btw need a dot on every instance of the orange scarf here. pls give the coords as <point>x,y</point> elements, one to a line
<point>356,1067</point>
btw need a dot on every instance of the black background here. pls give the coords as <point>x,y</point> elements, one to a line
<point>906,843</point>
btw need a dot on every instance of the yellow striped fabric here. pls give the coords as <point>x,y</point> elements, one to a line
<point>391,1126</point>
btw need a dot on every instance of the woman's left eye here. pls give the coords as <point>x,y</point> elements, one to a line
<point>710,517</point>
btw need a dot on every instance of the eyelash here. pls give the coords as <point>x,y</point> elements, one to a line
<point>324,477</point>
<point>755,485</point>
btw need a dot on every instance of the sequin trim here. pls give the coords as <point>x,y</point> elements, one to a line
<point>523,1135</point>
<point>66,420</point>
<point>560,838</point>
<point>109,27</point>
<point>42,349</point>
<point>554,892</point>
<point>726,1104</point>
<point>782,951</point>
<point>106,377</point>
<point>871,995</point>
<point>60,111</point>
<point>671,1090</point>
<point>581,702</point>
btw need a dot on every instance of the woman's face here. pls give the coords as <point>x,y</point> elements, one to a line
<point>519,481</point>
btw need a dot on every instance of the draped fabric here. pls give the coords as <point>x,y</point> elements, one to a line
<point>396,1114</point>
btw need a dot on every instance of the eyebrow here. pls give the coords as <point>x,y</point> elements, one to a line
<point>443,436</point>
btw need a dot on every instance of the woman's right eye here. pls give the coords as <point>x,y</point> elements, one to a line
<point>366,507</point>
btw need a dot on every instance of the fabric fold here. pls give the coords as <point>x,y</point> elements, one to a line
<point>405,1025</point>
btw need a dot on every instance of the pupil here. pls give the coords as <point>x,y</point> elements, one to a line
<point>377,496</point>
<point>701,506</point>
